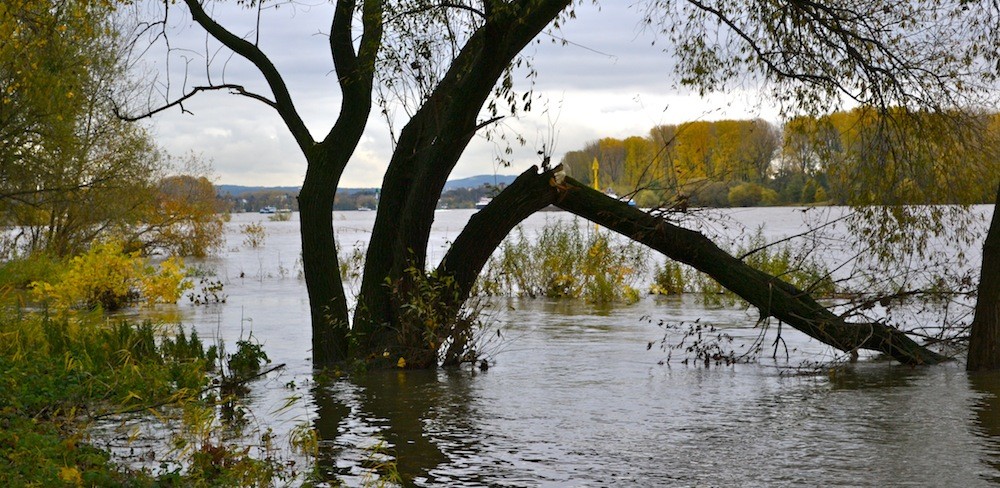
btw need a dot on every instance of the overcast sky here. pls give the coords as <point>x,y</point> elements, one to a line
<point>610,81</point>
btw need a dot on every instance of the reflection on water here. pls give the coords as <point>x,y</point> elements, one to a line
<point>987,422</point>
<point>577,401</point>
<point>622,424</point>
<point>574,398</point>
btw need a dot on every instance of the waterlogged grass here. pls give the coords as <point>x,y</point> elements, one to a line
<point>61,375</point>
<point>566,261</point>
<point>70,370</point>
<point>40,453</point>
<point>57,367</point>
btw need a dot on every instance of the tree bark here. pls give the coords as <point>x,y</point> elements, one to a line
<point>984,342</point>
<point>321,269</point>
<point>772,296</point>
<point>429,147</point>
<point>354,64</point>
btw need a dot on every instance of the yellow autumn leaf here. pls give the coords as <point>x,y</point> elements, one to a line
<point>401,363</point>
<point>70,474</point>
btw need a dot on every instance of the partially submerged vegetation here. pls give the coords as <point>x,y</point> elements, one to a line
<point>76,173</point>
<point>108,278</point>
<point>794,264</point>
<point>70,367</point>
<point>566,261</point>
<point>65,375</point>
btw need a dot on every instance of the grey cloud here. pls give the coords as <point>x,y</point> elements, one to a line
<point>608,66</point>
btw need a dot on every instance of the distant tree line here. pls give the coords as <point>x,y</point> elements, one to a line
<point>808,160</point>
<point>253,201</point>
<point>742,163</point>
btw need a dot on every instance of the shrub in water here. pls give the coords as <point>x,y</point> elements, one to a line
<point>430,327</point>
<point>566,261</point>
<point>669,279</point>
<point>253,234</point>
<point>109,278</point>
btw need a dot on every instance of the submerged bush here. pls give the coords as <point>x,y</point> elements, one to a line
<point>669,279</point>
<point>433,326</point>
<point>248,358</point>
<point>254,234</point>
<point>794,265</point>
<point>565,261</point>
<point>110,278</point>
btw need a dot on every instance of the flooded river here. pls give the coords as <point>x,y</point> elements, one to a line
<point>579,395</point>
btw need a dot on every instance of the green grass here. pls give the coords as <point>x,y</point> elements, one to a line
<point>62,374</point>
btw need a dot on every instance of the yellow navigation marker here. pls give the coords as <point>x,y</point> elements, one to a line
<point>594,167</point>
<point>597,185</point>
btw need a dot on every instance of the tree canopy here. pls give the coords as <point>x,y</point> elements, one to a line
<point>832,158</point>
<point>72,171</point>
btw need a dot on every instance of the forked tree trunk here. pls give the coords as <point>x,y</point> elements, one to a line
<point>354,63</point>
<point>772,296</point>
<point>984,343</point>
<point>428,149</point>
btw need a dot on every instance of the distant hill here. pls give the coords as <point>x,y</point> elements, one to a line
<point>470,182</point>
<point>479,180</point>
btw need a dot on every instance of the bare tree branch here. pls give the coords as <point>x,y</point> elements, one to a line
<point>234,89</point>
<point>282,99</point>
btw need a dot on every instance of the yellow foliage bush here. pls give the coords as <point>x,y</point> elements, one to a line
<point>165,285</point>
<point>110,278</point>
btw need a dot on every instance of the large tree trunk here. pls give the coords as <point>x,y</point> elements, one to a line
<point>321,269</point>
<point>984,343</point>
<point>326,163</point>
<point>772,296</point>
<point>429,147</point>
<point>487,228</point>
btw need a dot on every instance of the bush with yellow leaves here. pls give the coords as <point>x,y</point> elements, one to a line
<point>108,277</point>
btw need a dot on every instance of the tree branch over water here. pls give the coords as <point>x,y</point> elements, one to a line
<point>771,295</point>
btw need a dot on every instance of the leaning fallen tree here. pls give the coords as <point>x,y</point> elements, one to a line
<point>772,296</point>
